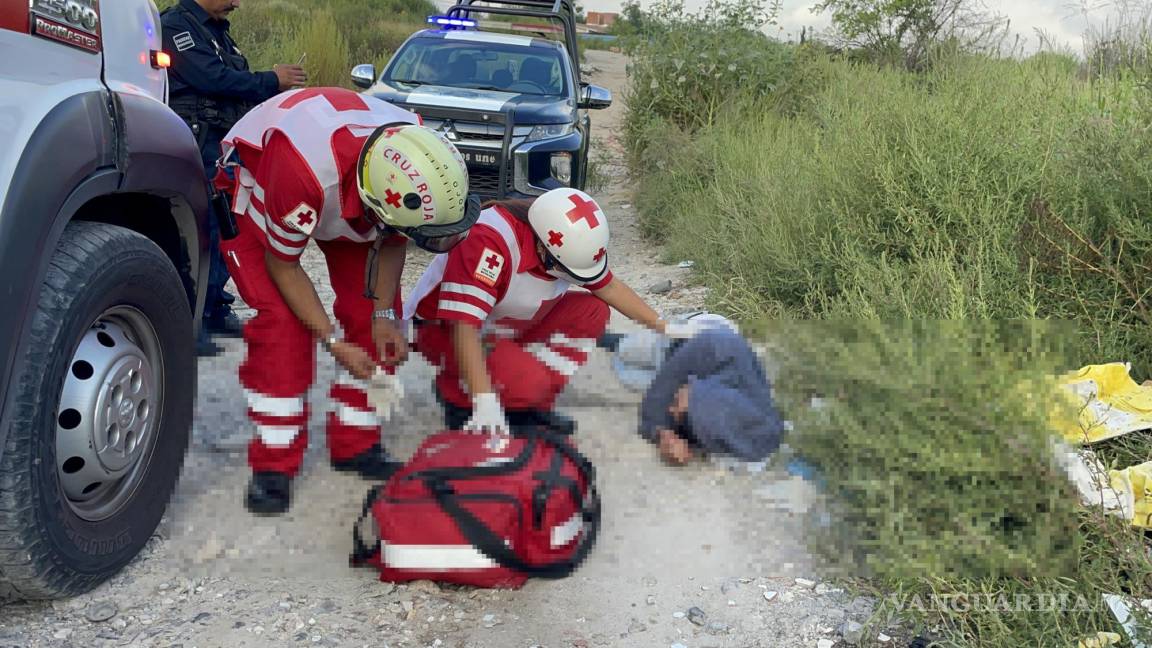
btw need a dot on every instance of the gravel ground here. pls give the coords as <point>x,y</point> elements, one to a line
<point>724,540</point>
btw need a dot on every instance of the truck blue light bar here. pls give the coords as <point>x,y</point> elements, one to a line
<point>451,22</point>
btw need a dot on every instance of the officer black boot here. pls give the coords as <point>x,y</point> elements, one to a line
<point>205,347</point>
<point>269,493</point>
<point>224,323</point>
<point>373,463</point>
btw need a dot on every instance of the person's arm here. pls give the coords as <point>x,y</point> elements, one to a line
<point>468,292</point>
<point>293,203</point>
<point>195,62</point>
<point>387,333</point>
<point>470,357</point>
<point>621,297</point>
<point>300,295</point>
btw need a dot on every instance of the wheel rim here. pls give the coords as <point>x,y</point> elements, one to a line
<point>107,421</point>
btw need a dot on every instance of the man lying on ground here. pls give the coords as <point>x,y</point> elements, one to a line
<point>711,395</point>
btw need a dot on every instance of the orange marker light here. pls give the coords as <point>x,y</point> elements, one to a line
<point>161,60</point>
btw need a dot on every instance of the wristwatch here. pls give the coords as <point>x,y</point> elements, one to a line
<point>329,342</point>
<point>386,313</point>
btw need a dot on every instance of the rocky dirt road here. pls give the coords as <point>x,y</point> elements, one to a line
<point>726,542</point>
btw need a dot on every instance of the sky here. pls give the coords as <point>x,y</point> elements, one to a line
<point>1064,21</point>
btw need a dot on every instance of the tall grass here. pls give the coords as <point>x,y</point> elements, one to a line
<point>904,236</point>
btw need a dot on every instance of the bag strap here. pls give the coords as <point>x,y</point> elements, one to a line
<point>362,552</point>
<point>492,545</point>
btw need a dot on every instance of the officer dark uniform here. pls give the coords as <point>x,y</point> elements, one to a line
<point>211,88</point>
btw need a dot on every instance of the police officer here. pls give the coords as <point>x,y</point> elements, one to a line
<point>211,88</point>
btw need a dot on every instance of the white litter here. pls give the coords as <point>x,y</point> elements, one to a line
<point>1122,610</point>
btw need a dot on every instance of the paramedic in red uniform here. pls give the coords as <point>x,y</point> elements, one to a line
<point>360,177</point>
<point>497,316</point>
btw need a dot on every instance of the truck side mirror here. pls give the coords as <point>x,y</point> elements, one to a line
<point>593,97</point>
<point>363,76</point>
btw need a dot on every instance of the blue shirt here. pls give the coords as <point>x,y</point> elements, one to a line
<point>730,406</point>
<point>199,65</point>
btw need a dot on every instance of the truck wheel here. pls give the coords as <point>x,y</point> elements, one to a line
<point>103,410</point>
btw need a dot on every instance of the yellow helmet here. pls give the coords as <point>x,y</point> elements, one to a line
<point>415,182</point>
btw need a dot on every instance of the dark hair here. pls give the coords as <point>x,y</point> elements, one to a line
<point>518,207</point>
<point>683,429</point>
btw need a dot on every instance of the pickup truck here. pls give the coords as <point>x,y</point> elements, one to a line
<point>103,263</point>
<point>513,104</point>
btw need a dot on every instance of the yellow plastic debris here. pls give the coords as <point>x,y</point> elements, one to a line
<point>1109,403</point>
<point>1133,486</point>
<point>1101,640</point>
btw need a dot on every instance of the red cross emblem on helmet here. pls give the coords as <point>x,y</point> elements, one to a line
<point>574,228</point>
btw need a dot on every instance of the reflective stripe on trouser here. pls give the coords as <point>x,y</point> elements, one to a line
<point>280,364</point>
<point>530,372</point>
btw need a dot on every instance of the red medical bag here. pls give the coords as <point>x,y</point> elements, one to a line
<point>460,512</point>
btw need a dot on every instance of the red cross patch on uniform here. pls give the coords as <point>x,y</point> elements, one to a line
<point>488,270</point>
<point>302,219</point>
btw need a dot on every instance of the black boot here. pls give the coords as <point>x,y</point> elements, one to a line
<point>610,341</point>
<point>373,463</point>
<point>455,417</point>
<point>224,323</point>
<point>269,493</point>
<point>550,420</point>
<point>206,347</point>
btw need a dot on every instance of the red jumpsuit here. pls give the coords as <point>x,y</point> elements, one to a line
<point>297,181</point>
<point>539,331</point>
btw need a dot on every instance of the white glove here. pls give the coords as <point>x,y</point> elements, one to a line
<point>385,391</point>
<point>487,415</point>
<point>682,330</point>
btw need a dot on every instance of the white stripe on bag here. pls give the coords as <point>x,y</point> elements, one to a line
<point>564,533</point>
<point>356,417</point>
<point>471,291</point>
<point>434,557</point>
<point>584,345</point>
<point>555,361</point>
<point>277,435</point>
<point>462,307</point>
<point>274,406</point>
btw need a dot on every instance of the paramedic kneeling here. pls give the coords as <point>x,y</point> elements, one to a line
<point>496,314</point>
<point>711,395</point>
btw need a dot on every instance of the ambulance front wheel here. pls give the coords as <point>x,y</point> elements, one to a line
<point>102,417</point>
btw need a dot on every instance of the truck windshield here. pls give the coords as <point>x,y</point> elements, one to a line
<point>521,69</point>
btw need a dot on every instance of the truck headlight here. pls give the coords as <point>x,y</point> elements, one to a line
<point>562,167</point>
<point>548,131</point>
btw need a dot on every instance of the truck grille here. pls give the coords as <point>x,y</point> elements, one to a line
<point>473,133</point>
<point>486,181</point>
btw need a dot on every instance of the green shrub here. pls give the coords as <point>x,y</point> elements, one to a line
<point>687,69</point>
<point>934,459</point>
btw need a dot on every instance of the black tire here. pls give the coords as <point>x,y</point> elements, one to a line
<point>47,551</point>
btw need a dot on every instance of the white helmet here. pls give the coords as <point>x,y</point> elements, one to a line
<point>574,232</point>
<point>415,181</point>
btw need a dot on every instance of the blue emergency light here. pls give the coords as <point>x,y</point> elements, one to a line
<point>447,21</point>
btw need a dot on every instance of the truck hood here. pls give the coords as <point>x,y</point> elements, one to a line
<point>530,109</point>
